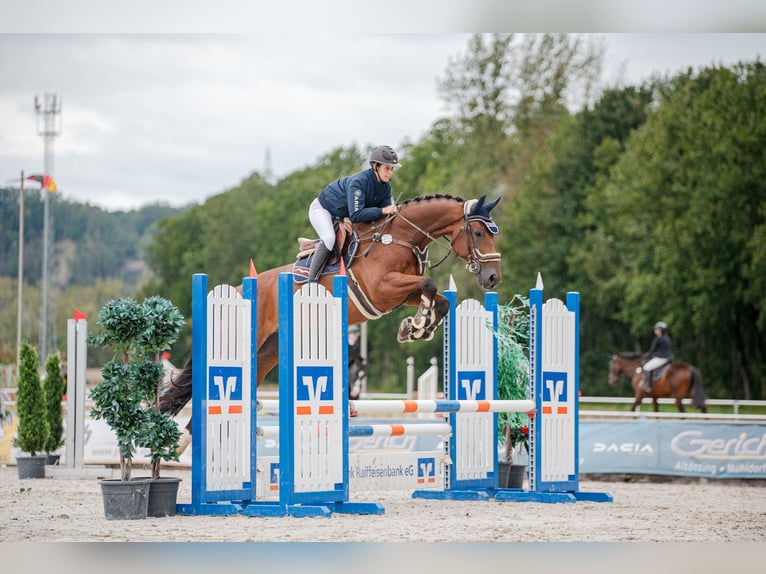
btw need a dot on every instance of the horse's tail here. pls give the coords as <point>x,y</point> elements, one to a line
<point>698,396</point>
<point>177,390</point>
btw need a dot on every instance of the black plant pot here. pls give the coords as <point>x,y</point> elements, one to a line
<point>53,459</point>
<point>163,496</point>
<point>510,475</point>
<point>125,499</point>
<point>31,466</point>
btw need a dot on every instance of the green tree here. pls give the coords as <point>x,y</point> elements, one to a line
<point>30,405</point>
<point>678,221</point>
<point>54,388</point>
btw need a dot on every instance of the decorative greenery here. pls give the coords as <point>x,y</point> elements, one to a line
<point>54,388</point>
<point>30,404</point>
<point>513,371</point>
<point>127,398</point>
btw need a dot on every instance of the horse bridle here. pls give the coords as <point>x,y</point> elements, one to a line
<point>474,257</point>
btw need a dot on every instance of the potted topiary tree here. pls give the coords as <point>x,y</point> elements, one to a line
<point>127,399</point>
<point>117,400</point>
<point>32,431</point>
<point>513,384</point>
<point>54,387</point>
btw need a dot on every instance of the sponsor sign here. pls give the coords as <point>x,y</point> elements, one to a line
<point>703,450</point>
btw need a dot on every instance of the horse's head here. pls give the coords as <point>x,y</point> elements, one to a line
<point>475,241</point>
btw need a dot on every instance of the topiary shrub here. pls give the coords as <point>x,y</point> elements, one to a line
<point>32,432</point>
<point>54,388</point>
<point>127,397</point>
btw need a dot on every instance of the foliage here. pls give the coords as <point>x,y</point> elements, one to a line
<point>648,200</point>
<point>128,395</point>
<point>513,370</point>
<point>54,388</point>
<point>32,430</point>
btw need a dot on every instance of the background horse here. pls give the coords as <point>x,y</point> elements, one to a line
<point>385,271</point>
<point>676,381</point>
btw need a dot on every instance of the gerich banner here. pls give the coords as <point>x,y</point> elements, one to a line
<point>709,450</point>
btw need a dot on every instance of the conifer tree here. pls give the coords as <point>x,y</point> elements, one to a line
<point>30,404</point>
<point>54,387</point>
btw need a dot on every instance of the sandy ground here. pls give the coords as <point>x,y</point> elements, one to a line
<point>71,510</point>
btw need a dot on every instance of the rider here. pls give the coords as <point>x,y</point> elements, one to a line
<point>659,354</point>
<point>362,197</point>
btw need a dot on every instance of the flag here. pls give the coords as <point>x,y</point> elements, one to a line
<point>46,181</point>
<point>79,315</point>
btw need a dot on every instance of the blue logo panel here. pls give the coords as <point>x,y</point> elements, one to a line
<point>314,383</point>
<point>555,387</point>
<point>224,383</point>
<point>426,470</point>
<point>471,386</point>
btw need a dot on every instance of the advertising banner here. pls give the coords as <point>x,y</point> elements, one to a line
<point>703,450</point>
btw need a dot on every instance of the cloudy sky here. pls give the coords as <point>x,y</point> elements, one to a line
<point>180,117</point>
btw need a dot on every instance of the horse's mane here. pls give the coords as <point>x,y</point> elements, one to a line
<point>629,355</point>
<point>435,196</point>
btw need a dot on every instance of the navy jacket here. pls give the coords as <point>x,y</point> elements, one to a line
<point>661,347</point>
<point>360,197</point>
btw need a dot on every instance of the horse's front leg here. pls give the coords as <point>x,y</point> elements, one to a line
<point>432,306</point>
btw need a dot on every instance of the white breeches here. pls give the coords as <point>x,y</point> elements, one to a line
<point>321,220</point>
<point>655,363</point>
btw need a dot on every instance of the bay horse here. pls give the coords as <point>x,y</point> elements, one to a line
<point>385,271</point>
<point>676,381</point>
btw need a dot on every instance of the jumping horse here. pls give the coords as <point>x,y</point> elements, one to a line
<point>677,380</point>
<point>385,262</point>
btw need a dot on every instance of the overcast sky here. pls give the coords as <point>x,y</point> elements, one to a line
<point>178,118</point>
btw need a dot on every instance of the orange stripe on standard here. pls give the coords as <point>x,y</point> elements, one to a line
<point>235,410</point>
<point>397,430</point>
<point>216,410</point>
<point>561,411</point>
<point>326,410</point>
<point>547,411</point>
<point>410,407</point>
<point>302,410</point>
<point>482,406</point>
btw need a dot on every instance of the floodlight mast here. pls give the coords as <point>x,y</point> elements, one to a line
<point>49,115</point>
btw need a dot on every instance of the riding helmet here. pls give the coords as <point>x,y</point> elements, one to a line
<point>660,325</point>
<point>384,154</point>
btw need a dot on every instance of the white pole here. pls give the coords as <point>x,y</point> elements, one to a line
<point>21,276</point>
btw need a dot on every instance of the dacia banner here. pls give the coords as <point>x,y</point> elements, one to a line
<point>704,450</point>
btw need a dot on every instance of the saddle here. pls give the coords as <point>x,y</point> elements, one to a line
<point>659,371</point>
<point>345,246</point>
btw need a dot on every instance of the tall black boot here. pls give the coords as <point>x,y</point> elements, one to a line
<point>318,260</point>
<point>647,382</point>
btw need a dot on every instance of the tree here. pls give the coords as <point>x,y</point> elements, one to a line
<point>55,387</point>
<point>30,405</point>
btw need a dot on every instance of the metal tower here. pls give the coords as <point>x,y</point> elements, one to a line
<point>48,126</point>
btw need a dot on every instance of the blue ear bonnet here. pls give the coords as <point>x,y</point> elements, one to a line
<point>477,210</point>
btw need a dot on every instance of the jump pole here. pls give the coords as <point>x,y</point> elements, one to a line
<point>554,362</point>
<point>313,404</point>
<point>74,451</point>
<point>224,329</point>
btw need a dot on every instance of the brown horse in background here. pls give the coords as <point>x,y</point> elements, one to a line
<point>676,381</point>
<point>385,271</point>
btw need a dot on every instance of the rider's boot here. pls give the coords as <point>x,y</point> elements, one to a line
<point>318,260</point>
<point>647,386</point>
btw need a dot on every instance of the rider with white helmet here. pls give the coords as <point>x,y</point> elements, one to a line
<point>659,354</point>
<point>362,197</point>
